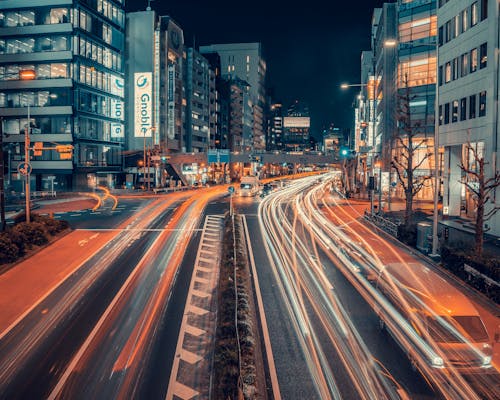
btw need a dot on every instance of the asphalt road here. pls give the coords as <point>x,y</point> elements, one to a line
<point>69,314</point>
<point>292,368</point>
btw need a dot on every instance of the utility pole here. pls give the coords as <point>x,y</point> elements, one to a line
<point>2,184</point>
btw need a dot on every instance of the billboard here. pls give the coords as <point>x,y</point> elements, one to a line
<point>296,122</point>
<point>143,104</point>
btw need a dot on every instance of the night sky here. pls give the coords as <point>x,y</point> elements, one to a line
<point>310,47</point>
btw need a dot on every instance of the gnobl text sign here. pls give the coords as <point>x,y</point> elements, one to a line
<point>143,104</point>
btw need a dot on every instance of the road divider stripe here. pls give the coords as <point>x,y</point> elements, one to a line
<point>263,321</point>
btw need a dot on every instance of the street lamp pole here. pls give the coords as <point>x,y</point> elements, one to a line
<point>26,162</point>
<point>2,184</point>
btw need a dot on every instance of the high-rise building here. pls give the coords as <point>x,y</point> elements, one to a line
<point>384,49</point>
<point>468,98</point>
<point>296,126</point>
<point>416,77</point>
<point>76,97</point>
<point>219,110</point>
<point>245,61</point>
<point>155,90</point>
<point>200,101</point>
<point>274,139</point>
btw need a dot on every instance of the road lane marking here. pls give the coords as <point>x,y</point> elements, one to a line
<point>263,320</point>
<point>76,359</point>
<point>184,382</point>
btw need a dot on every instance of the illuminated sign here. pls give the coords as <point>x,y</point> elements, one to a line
<point>143,104</point>
<point>296,122</point>
<point>117,130</point>
<point>117,109</point>
<point>117,86</point>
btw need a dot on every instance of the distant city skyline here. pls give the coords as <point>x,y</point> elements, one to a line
<point>309,50</point>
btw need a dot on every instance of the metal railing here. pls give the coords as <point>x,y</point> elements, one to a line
<point>383,223</point>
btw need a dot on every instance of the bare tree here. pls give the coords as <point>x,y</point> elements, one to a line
<point>405,161</point>
<point>481,189</point>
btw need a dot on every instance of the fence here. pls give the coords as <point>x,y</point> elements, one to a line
<point>385,224</point>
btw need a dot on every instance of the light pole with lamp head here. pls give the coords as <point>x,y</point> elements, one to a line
<point>152,129</point>
<point>372,120</point>
<point>28,74</point>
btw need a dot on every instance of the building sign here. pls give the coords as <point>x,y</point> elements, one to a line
<point>117,86</point>
<point>171,101</point>
<point>117,130</point>
<point>296,122</point>
<point>117,109</point>
<point>143,104</point>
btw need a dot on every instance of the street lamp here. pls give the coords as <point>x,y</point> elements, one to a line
<point>372,119</point>
<point>27,164</point>
<point>152,129</point>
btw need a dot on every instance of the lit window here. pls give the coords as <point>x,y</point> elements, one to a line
<point>454,111</point>
<point>474,14</point>
<point>447,72</point>
<point>465,19</point>
<point>483,56</point>
<point>482,103</point>
<point>473,60</point>
<point>465,64</point>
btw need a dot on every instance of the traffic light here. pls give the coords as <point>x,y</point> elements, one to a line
<point>347,153</point>
<point>65,151</point>
<point>37,149</point>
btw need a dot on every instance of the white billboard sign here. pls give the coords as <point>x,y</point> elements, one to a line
<point>296,122</point>
<point>143,104</point>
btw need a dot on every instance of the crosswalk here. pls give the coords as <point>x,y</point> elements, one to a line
<point>191,371</point>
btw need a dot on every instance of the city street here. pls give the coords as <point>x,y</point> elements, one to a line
<point>113,295</point>
<point>317,276</point>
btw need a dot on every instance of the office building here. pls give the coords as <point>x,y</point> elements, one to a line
<point>296,127</point>
<point>416,76</point>
<point>245,62</point>
<point>274,140</point>
<point>76,96</point>
<point>155,57</point>
<point>468,98</point>
<point>200,102</point>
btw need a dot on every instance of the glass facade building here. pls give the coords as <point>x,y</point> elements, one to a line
<point>417,73</point>
<point>76,97</point>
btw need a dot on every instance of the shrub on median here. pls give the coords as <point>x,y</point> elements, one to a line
<point>33,233</point>
<point>23,236</point>
<point>9,252</point>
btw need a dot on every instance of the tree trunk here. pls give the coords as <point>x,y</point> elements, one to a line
<point>479,231</point>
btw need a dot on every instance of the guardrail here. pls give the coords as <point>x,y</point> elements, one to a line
<point>47,193</point>
<point>385,224</point>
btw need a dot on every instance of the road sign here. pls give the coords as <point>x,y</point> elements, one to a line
<point>24,168</point>
<point>393,184</point>
<point>230,189</point>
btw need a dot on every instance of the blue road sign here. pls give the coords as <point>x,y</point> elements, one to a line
<point>24,168</point>
<point>230,189</point>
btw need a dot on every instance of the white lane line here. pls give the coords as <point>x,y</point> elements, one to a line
<point>175,388</point>
<point>193,330</point>
<point>197,310</point>
<point>183,392</point>
<point>263,320</point>
<point>76,359</point>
